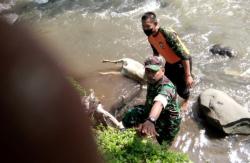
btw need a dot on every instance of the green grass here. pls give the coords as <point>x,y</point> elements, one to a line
<point>125,146</point>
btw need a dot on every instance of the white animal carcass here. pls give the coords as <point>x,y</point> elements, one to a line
<point>130,68</point>
<point>93,106</point>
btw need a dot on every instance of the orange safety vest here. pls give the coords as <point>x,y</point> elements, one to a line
<point>160,44</point>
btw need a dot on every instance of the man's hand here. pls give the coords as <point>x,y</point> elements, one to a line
<point>189,81</point>
<point>148,128</point>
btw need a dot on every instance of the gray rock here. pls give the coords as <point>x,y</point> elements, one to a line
<point>223,112</point>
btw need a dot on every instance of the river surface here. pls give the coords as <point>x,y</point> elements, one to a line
<point>84,32</point>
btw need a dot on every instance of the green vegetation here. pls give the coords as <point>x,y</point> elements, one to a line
<point>76,85</point>
<point>125,146</point>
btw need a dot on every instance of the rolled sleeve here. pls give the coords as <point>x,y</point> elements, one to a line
<point>163,99</point>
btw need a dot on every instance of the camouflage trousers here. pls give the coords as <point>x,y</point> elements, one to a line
<point>167,127</point>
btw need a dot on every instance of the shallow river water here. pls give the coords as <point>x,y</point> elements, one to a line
<point>84,32</point>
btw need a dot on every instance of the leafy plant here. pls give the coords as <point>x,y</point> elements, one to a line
<point>125,146</point>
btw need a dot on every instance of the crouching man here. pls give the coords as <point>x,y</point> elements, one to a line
<point>160,116</point>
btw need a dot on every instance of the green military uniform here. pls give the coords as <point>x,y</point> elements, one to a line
<point>167,125</point>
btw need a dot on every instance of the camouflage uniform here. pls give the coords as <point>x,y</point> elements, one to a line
<point>167,125</point>
<point>174,43</point>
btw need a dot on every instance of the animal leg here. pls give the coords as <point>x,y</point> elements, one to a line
<point>110,73</point>
<point>112,61</point>
<point>101,110</point>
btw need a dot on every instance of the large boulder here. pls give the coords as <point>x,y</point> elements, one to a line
<point>223,112</point>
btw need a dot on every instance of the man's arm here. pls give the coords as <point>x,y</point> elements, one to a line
<point>148,127</point>
<point>175,43</point>
<point>155,52</point>
<point>185,61</point>
<point>156,110</point>
<point>188,76</point>
<point>160,102</point>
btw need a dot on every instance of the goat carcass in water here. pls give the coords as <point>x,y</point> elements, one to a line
<point>95,110</point>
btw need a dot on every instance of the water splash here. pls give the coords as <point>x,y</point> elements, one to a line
<point>41,1</point>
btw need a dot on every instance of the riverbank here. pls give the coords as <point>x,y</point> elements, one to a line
<point>84,32</point>
<point>127,146</point>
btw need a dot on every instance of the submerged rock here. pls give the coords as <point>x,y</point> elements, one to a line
<point>222,50</point>
<point>222,112</point>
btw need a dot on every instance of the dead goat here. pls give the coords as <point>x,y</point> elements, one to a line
<point>130,68</point>
<point>97,113</point>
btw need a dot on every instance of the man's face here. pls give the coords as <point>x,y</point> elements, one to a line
<point>154,76</point>
<point>148,25</point>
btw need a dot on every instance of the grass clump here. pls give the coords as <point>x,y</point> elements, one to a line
<point>76,85</point>
<point>125,146</point>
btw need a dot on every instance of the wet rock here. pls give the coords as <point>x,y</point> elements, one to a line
<point>222,50</point>
<point>222,112</point>
<point>139,99</point>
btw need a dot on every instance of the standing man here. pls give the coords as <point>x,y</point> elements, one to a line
<point>178,60</point>
<point>160,116</point>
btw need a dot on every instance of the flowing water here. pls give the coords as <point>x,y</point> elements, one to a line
<point>84,32</point>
